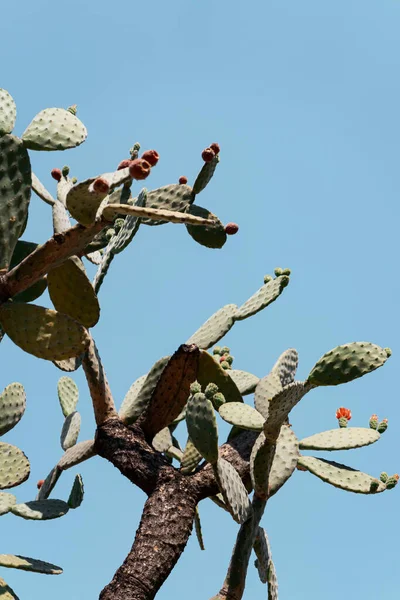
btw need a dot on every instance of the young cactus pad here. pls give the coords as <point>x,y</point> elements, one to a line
<point>340,439</point>
<point>202,426</point>
<point>68,395</point>
<point>12,406</point>
<point>54,129</point>
<point>14,466</point>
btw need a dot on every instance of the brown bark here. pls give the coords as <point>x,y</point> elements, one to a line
<point>103,403</point>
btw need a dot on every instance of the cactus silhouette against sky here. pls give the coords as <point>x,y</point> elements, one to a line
<point>190,389</point>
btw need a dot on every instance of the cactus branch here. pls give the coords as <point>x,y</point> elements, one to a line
<point>41,191</point>
<point>155,214</point>
<point>103,403</point>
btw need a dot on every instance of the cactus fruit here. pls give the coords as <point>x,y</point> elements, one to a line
<point>209,392</point>
<point>56,174</point>
<point>40,483</point>
<point>392,482</point>
<point>373,422</point>
<point>346,363</point>
<point>124,164</point>
<point>151,156</point>
<point>101,186</point>
<point>211,372</point>
<point>207,155</point>
<point>139,169</point>
<point>54,129</point>
<point>215,148</point>
<point>218,400</point>
<point>183,180</point>
<point>384,477</point>
<point>231,228</point>
<point>382,426</point>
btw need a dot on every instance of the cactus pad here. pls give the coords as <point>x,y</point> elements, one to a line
<point>233,491</point>
<point>340,439</point>
<point>162,441</point>
<point>41,510</point>
<point>77,454</point>
<point>68,395</point>
<point>128,404</point>
<point>281,404</point>
<point>72,293</point>
<point>54,129</point>
<point>8,112</point>
<point>202,426</point>
<point>267,294</point>
<point>268,387</point>
<point>242,415</point>
<point>70,430</point>
<point>6,593</point>
<point>197,526</point>
<point>43,332</point>
<point>211,372</point>
<point>12,406</point>
<point>205,175</point>
<point>262,549</point>
<point>21,251</point>
<point>76,496</point>
<point>214,328</point>
<point>347,362</point>
<point>286,366</point>
<point>49,483</point>
<point>7,501</point>
<point>245,382</point>
<point>83,202</point>
<point>210,237</point>
<point>340,476</point>
<point>191,458</point>
<point>272,582</point>
<point>129,228</point>
<point>174,197</point>
<point>25,563</point>
<point>69,364</point>
<point>139,403</point>
<point>15,194</point>
<point>14,466</point>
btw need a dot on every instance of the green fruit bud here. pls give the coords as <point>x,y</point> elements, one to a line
<point>210,390</point>
<point>267,278</point>
<point>195,388</point>
<point>72,109</point>
<point>217,350</point>
<point>278,271</point>
<point>286,272</point>
<point>65,170</point>
<point>225,350</point>
<point>74,180</point>
<point>392,482</point>
<point>229,359</point>
<point>225,365</point>
<point>118,223</point>
<point>218,400</point>
<point>383,425</point>
<point>110,233</point>
<point>343,422</point>
<point>384,477</point>
<point>388,351</point>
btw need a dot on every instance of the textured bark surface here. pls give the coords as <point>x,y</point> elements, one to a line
<point>103,403</point>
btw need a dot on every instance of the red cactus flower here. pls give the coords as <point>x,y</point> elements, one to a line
<point>215,147</point>
<point>231,228</point>
<point>343,412</point>
<point>151,156</point>
<point>56,174</point>
<point>101,186</point>
<point>40,483</point>
<point>124,164</point>
<point>374,418</point>
<point>139,169</point>
<point>183,180</point>
<point>208,154</point>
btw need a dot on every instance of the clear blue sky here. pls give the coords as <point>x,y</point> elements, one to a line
<point>303,97</point>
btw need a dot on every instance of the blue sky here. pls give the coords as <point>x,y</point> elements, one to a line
<point>303,98</point>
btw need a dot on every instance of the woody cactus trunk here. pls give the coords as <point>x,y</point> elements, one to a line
<point>192,389</point>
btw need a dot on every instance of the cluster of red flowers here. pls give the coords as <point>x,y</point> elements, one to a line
<point>343,412</point>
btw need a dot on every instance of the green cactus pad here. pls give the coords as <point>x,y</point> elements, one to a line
<point>205,175</point>
<point>77,454</point>
<point>202,426</point>
<point>347,362</point>
<point>7,593</point>
<point>40,190</point>
<point>129,228</point>
<point>12,406</point>
<point>68,395</point>
<point>233,491</point>
<point>197,527</point>
<point>260,464</point>
<point>174,197</point>
<point>174,452</point>
<point>268,387</point>
<point>283,464</point>
<point>15,195</point>
<point>70,431</point>
<point>340,439</point>
<point>25,563</point>
<point>272,582</point>
<point>211,372</point>
<point>72,293</point>
<point>138,402</point>
<point>191,458</point>
<point>14,466</point>
<point>83,202</point>
<point>8,112</point>
<point>339,475</point>
<point>54,129</point>
<point>21,251</point>
<point>41,510</point>
<point>219,501</point>
<point>7,501</point>
<point>281,404</point>
<point>262,549</point>
<point>128,404</point>
<point>245,382</point>
<point>286,366</point>
<point>43,332</point>
<point>214,328</point>
<point>162,441</point>
<point>76,496</point>
<point>242,415</point>
<point>266,295</point>
<point>49,483</point>
<point>70,364</point>
<point>210,237</point>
